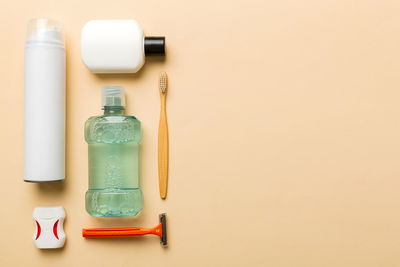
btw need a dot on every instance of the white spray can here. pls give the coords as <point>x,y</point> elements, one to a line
<point>44,102</point>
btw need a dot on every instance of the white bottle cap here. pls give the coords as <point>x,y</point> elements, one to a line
<point>113,96</point>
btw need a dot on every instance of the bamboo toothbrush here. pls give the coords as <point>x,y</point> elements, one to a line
<point>163,138</point>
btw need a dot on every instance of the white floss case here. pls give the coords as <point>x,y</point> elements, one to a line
<point>49,231</point>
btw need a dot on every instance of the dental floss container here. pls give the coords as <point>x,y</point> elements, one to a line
<point>44,102</point>
<point>117,46</point>
<point>49,232</point>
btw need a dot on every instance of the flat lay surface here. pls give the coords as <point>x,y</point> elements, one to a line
<point>284,128</point>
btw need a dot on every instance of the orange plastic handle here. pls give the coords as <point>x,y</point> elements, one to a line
<point>122,232</point>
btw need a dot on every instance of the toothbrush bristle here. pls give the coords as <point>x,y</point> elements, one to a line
<point>163,82</point>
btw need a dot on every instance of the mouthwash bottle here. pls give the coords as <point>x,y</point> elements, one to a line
<point>113,140</point>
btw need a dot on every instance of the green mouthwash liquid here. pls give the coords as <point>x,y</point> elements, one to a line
<point>113,140</point>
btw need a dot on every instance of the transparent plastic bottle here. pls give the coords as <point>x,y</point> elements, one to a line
<point>113,140</point>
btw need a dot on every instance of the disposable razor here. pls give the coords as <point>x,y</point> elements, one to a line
<point>160,230</point>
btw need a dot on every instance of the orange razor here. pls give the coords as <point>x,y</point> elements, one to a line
<point>160,230</point>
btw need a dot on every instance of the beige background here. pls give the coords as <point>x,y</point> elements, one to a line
<point>284,134</point>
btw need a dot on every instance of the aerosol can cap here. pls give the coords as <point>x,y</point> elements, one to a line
<point>44,30</point>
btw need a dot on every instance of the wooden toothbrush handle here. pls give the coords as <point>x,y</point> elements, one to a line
<point>163,149</point>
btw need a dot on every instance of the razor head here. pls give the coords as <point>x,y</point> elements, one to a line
<point>163,221</point>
